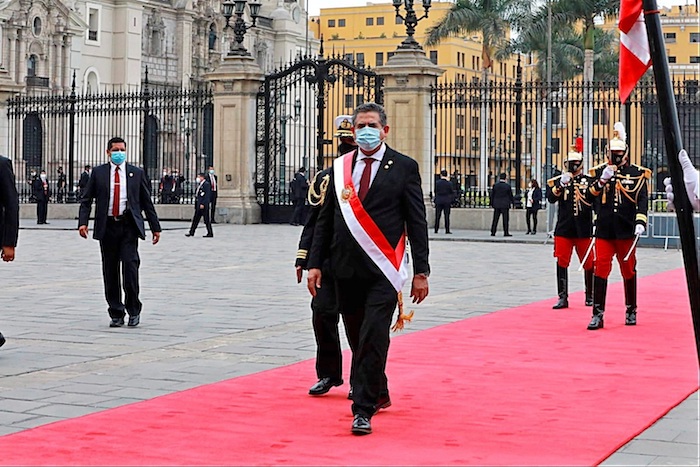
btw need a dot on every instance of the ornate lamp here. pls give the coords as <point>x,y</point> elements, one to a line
<point>411,21</point>
<point>229,8</point>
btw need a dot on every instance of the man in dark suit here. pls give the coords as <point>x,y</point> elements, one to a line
<point>299,188</point>
<point>176,187</point>
<point>165,187</point>
<point>9,214</point>
<point>82,183</point>
<point>122,191</point>
<point>444,195</point>
<point>42,193</point>
<point>501,201</point>
<point>61,185</point>
<point>383,186</point>
<point>201,206</point>
<point>214,182</point>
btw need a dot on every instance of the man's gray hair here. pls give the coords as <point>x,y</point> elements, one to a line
<point>370,107</point>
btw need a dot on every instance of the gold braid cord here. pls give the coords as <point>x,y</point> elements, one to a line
<point>316,198</point>
<point>402,318</point>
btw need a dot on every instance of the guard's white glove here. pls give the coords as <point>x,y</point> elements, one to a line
<point>608,173</point>
<point>690,178</point>
<point>639,229</point>
<point>565,179</point>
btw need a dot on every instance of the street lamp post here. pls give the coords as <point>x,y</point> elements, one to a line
<point>237,7</point>
<point>187,126</point>
<point>411,20</point>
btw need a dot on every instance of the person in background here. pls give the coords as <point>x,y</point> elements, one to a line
<point>82,183</point>
<point>42,193</point>
<point>501,200</point>
<point>214,182</point>
<point>444,196</point>
<point>201,206</point>
<point>533,203</point>
<point>165,187</point>
<point>299,188</point>
<point>61,185</point>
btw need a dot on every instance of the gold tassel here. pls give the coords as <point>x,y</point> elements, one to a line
<point>402,318</point>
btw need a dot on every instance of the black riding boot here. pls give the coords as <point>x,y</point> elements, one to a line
<point>588,279</point>
<point>600,289</point>
<point>562,288</point>
<point>631,301</point>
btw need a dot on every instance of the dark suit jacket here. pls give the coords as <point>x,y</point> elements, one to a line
<point>39,193</point>
<point>9,204</point>
<point>82,183</point>
<point>138,200</point>
<point>394,201</point>
<point>502,196</point>
<point>444,193</point>
<point>203,195</point>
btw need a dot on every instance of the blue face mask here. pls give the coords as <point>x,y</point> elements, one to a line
<point>211,172</point>
<point>118,157</point>
<point>367,138</point>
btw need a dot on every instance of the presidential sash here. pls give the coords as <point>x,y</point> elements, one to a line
<point>362,227</point>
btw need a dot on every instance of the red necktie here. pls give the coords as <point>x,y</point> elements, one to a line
<point>366,176</point>
<point>115,205</point>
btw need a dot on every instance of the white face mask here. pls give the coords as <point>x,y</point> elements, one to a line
<point>165,174</point>
<point>43,176</point>
<point>199,180</point>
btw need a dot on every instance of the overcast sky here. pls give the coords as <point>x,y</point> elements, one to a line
<point>315,5</point>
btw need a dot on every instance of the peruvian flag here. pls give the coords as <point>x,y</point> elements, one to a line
<point>635,57</point>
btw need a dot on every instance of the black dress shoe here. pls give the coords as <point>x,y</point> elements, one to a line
<point>208,236</point>
<point>134,320</point>
<point>507,235</point>
<point>2,340</point>
<point>448,232</point>
<point>116,322</point>
<point>383,403</point>
<point>324,385</point>
<point>350,394</point>
<point>189,235</point>
<point>361,425</point>
<point>493,234</point>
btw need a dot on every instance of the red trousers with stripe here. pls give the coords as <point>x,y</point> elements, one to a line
<point>604,252</point>
<point>564,247</point>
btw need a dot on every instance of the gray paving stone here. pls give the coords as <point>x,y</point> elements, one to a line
<point>63,410</point>
<point>626,459</point>
<point>658,448</point>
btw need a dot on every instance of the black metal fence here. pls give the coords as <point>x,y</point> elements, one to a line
<point>165,129</point>
<point>487,127</point>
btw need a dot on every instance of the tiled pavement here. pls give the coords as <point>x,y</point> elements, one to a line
<point>62,360</point>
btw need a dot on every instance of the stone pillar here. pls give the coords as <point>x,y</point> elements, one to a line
<point>236,84</point>
<point>408,77</point>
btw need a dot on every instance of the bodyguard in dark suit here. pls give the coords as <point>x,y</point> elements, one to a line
<point>82,183</point>
<point>214,182</point>
<point>501,201</point>
<point>299,188</point>
<point>201,206</point>
<point>121,192</point>
<point>444,195</point>
<point>385,185</point>
<point>42,194</point>
<point>9,214</point>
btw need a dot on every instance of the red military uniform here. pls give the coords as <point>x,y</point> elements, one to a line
<point>620,203</point>
<point>574,230</point>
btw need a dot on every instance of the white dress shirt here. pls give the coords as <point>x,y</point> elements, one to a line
<point>360,166</point>
<point>123,176</point>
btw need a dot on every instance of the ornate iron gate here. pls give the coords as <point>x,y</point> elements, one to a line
<point>295,113</point>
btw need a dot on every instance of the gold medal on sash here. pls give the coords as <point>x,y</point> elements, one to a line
<point>345,194</point>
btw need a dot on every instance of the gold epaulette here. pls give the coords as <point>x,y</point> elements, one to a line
<point>551,181</point>
<point>592,171</point>
<point>646,173</point>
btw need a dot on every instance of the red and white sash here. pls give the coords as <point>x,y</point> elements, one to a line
<point>362,227</point>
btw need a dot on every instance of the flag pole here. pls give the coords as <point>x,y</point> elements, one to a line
<point>674,143</point>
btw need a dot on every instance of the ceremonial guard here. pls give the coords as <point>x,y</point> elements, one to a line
<point>324,307</point>
<point>620,192</point>
<point>574,225</point>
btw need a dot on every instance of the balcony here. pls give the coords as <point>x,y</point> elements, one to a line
<point>37,82</point>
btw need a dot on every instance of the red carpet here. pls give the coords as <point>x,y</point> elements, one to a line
<point>524,386</point>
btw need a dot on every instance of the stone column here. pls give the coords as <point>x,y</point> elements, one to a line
<point>236,84</point>
<point>408,77</point>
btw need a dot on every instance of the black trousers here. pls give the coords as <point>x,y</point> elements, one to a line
<point>325,316</point>
<point>212,216</point>
<point>496,214</point>
<point>531,213</point>
<point>368,304</point>
<point>120,253</point>
<point>439,209</point>
<point>299,211</point>
<point>198,214</point>
<point>42,210</point>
